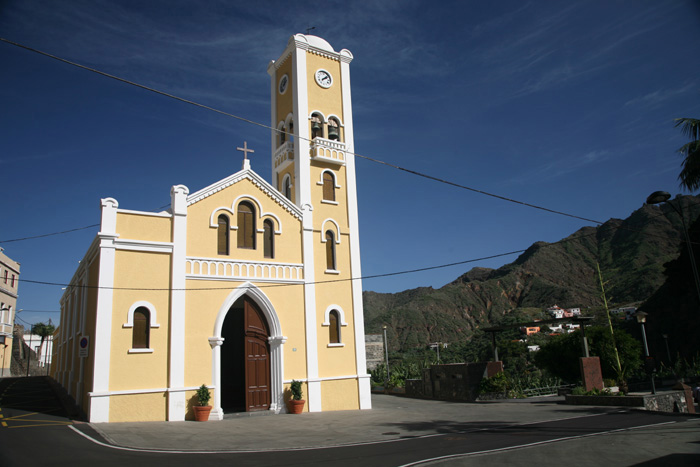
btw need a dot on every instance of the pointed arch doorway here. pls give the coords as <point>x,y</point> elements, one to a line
<point>245,358</point>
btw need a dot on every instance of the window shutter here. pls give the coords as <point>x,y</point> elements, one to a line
<point>141,329</point>
<point>328,186</point>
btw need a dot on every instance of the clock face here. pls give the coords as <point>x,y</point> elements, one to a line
<point>324,79</point>
<point>284,81</point>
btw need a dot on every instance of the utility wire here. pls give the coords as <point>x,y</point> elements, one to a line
<point>252,122</point>
<point>571,238</point>
<point>49,234</point>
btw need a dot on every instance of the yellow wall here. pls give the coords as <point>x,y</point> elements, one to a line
<point>142,270</point>
<point>280,178</point>
<point>202,239</point>
<point>340,395</point>
<point>138,407</point>
<point>143,227</point>
<point>284,101</point>
<point>328,101</point>
<point>203,307</point>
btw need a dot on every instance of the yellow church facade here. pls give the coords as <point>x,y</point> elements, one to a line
<point>244,285</point>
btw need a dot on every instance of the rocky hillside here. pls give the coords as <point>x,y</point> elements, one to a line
<point>631,253</point>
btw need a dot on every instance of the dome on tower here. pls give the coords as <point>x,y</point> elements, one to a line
<point>314,41</point>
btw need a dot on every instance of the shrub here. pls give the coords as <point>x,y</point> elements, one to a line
<point>203,395</point>
<point>295,387</point>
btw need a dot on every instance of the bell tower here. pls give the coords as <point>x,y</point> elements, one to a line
<point>313,165</point>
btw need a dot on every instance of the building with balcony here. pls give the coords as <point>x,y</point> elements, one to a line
<point>9,284</point>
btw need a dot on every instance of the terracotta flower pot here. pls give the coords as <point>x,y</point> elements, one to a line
<point>201,413</point>
<point>296,406</point>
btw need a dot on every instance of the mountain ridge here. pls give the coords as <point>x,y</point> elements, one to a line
<point>631,253</point>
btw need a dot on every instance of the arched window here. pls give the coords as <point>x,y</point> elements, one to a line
<point>283,135</point>
<point>269,239</point>
<point>316,126</point>
<point>222,234</point>
<point>330,250</point>
<point>328,186</point>
<point>246,225</point>
<point>333,129</point>
<point>291,130</point>
<point>287,187</point>
<point>141,331</point>
<point>334,328</point>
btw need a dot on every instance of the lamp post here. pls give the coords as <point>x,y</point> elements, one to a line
<point>641,319</point>
<point>386,357</point>
<point>659,197</point>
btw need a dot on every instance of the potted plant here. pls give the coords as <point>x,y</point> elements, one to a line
<point>201,411</point>
<point>296,404</point>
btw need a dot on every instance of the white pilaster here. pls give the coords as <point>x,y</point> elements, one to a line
<point>102,341</point>
<point>217,413</point>
<point>355,266</point>
<point>310,315</point>
<point>276,373</point>
<point>302,168</point>
<point>176,396</point>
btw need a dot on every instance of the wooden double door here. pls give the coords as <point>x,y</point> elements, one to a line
<point>245,369</point>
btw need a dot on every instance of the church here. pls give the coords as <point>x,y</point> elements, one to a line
<point>244,285</point>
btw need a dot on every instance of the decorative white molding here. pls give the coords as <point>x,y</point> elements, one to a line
<point>212,268</point>
<point>129,392</point>
<point>143,245</point>
<point>335,180</point>
<point>284,155</point>
<point>140,351</point>
<point>326,315</point>
<point>231,211</point>
<point>329,378</point>
<point>324,229</point>
<point>327,150</point>
<point>153,322</point>
<point>276,340</point>
<point>177,406</point>
<point>331,271</point>
<point>336,345</point>
<point>102,339</point>
<point>145,213</point>
<point>265,187</point>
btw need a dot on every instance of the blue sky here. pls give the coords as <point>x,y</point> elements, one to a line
<point>567,105</point>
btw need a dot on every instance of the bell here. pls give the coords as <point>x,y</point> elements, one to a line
<point>333,133</point>
<point>316,127</point>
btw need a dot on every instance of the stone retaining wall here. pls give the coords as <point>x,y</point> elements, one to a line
<point>672,401</point>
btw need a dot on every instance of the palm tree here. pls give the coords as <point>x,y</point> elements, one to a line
<point>690,175</point>
<point>43,330</point>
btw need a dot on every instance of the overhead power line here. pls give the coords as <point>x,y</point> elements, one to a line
<point>252,122</point>
<point>372,276</point>
<point>49,234</point>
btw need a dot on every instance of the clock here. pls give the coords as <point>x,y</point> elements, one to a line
<point>323,78</point>
<point>284,81</point>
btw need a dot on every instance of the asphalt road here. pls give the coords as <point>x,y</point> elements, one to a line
<point>34,430</point>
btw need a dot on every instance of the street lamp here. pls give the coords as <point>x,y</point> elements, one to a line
<point>659,197</point>
<point>386,358</point>
<point>641,319</point>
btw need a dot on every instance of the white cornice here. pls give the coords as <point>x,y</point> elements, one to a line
<point>300,41</point>
<point>257,180</point>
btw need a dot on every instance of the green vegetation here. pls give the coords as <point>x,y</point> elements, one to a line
<point>581,391</point>
<point>560,356</point>
<point>690,174</point>
<point>203,395</point>
<point>295,388</point>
